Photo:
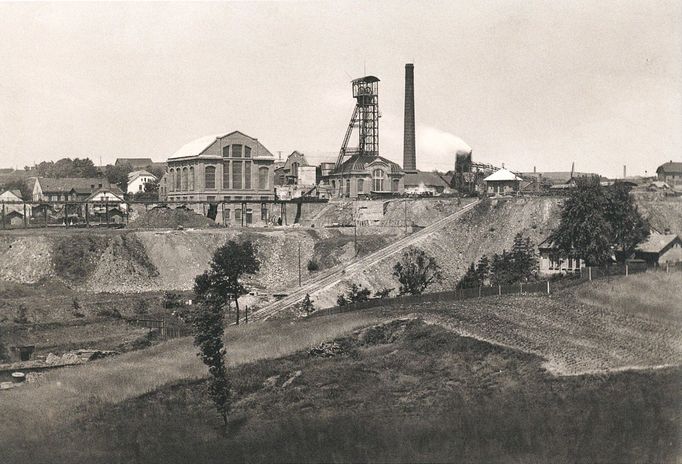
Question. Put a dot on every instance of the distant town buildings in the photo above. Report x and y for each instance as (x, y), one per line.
(138, 179)
(67, 188)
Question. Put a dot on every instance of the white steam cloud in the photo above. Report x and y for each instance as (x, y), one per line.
(436, 149)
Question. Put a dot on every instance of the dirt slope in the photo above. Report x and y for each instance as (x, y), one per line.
(480, 231)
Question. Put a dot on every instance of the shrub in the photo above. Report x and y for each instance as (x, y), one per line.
(21, 317)
(74, 256)
(341, 300)
(383, 293)
(307, 304)
(172, 300)
(313, 265)
(415, 271)
(141, 307)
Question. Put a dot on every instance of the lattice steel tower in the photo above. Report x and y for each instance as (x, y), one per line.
(365, 117)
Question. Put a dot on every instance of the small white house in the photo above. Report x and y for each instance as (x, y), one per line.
(502, 182)
(103, 199)
(137, 179)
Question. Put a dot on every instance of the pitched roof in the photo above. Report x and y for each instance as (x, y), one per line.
(197, 146)
(135, 162)
(427, 178)
(16, 193)
(670, 167)
(359, 162)
(501, 175)
(66, 184)
(657, 242)
(114, 190)
(135, 174)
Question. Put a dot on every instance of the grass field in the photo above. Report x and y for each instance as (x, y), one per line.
(410, 391)
(404, 392)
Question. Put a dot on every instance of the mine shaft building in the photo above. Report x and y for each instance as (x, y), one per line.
(360, 170)
(232, 166)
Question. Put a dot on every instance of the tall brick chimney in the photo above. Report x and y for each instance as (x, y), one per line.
(409, 151)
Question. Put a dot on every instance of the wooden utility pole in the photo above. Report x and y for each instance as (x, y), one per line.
(299, 264)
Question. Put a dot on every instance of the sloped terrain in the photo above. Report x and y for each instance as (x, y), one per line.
(662, 212)
(483, 230)
(399, 391)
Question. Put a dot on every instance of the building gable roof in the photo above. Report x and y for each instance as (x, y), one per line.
(429, 179)
(501, 175)
(656, 243)
(134, 162)
(670, 167)
(198, 146)
(135, 174)
(67, 184)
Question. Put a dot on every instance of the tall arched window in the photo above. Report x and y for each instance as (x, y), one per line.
(209, 177)
(294, 169)
(226, 175)
(191, 177)
(247, 175)
(171, 179)
(183, 182)
(263, 174)
(378, 180)
(361, 185)
(177, 179)
(236, 172)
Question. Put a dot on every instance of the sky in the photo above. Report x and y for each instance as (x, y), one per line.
(521, 82)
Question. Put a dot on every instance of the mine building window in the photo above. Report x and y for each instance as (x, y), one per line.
(249, 216)
(294, 169)
(191, 177)
(395, 185)
(236, 151)
(247, 175)
(226, 151)
(263, 212)
(226, 175)
(361, 185)
(247, 152)
(237, 214)
(226, 213)
(378, 177)
(209, 177)
(184, 179)
(237, 173)
(348, 187)
(263, 174)
(226, 198)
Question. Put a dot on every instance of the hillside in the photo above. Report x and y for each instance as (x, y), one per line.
(662, 212)
(483, 230)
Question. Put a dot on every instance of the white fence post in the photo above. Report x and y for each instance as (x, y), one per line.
(589, 273)
(479, 291)
(499, 289)
(548, 287)
(627, 271)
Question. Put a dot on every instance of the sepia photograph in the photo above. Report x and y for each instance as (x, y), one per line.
(391, 231)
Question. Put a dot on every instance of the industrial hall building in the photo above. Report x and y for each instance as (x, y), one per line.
(226, 167)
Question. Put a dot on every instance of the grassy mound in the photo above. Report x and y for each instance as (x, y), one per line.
(400, 392)
(75, 257)
(167, 218)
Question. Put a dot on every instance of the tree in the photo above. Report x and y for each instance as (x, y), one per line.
(149, 193)
(307, 304)
(415, 271)
(594, 219)
(355, 294)
(66, 167)
(524, 260)
(214, 289)
(483, 270)
(470, 279)
(118, 174)
(628, 227)
(17, 183)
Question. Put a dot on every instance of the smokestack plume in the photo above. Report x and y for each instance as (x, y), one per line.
(409, 151)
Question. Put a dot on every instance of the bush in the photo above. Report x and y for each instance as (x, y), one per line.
(313, 265)
(307, 304)
(141, 307)
(109, 312)
(383, 293)
(356, 294)
(21, 317)
(172, 300)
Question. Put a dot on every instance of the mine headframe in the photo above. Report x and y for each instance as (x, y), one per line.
(365, 117)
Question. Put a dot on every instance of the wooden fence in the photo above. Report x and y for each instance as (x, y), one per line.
(586, 274)
(159, 325)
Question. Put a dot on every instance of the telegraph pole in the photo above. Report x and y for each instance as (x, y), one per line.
(299, 263)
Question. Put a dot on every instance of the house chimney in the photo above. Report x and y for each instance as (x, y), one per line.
(624, 171)
(534, 170)
(409, 151)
